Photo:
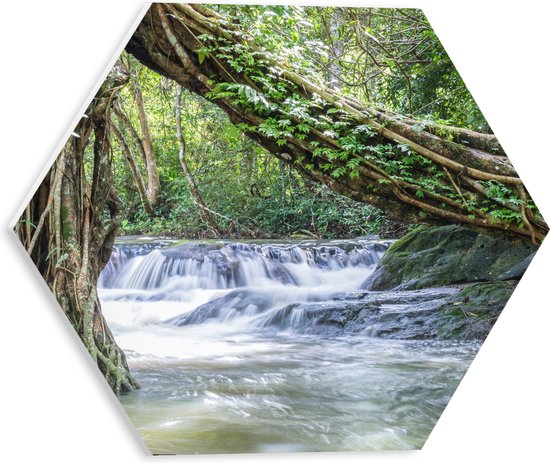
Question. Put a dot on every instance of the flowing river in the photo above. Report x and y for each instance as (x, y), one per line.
(239, 347)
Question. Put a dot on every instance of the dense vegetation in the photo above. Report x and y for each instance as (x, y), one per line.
(252, 193)
(391, 58)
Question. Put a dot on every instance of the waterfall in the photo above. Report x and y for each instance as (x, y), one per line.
(233, 265)
(201, 282)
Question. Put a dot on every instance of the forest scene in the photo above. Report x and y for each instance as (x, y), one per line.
(282, 229)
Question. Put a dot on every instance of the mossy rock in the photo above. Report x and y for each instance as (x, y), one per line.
(439, 256)
(473, 311)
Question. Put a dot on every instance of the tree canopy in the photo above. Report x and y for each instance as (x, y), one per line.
(271, 69)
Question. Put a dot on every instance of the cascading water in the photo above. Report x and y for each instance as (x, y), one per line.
(252, 278)
(243, 347)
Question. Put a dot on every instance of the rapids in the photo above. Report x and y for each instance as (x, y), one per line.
(233, 354)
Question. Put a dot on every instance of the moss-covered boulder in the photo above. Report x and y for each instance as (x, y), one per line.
(473, 311)
(439, 256)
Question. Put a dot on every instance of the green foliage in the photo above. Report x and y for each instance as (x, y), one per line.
(319, 211)
(288, 116)
(388, 57)
(237, 178)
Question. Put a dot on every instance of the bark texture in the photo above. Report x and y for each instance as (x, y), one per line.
(168, 41)
(70, 226)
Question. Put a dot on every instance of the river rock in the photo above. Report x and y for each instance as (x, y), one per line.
(439, 256)
(465, 312)
(237, 302)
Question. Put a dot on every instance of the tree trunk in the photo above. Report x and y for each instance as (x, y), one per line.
(206, 214)
(455, 171)
(138, 180)
(153, 180)
(73, 232)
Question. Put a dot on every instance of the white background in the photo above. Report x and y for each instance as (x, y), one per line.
(54, 405)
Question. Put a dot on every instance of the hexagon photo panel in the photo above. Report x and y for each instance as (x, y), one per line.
(282, 229)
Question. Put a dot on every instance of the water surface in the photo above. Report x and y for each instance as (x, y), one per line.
(223, 383)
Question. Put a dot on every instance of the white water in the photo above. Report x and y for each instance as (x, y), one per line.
(220, 383)
(144, 290)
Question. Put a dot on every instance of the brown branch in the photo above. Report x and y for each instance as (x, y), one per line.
(455, 185)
